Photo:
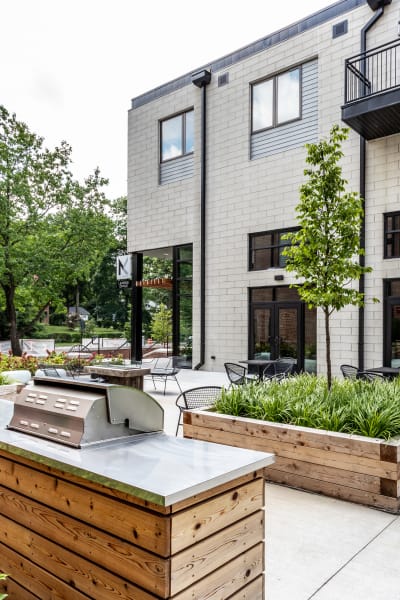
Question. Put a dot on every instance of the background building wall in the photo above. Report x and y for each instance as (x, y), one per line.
(246, 196)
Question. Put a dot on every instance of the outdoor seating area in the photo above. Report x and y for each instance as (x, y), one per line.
(162, 369)
(373, 374)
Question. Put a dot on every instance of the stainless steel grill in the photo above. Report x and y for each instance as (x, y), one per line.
(78, 413)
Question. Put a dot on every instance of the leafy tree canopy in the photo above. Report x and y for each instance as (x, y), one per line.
(52, 228)
(325, 252)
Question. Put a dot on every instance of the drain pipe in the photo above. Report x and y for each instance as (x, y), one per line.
(378, 6)
(201, 80)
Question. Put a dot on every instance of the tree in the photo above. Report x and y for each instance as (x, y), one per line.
(161, 327)
(325, 251)
(52, 228)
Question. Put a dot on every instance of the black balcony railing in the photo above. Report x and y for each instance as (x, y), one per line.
(372, 72)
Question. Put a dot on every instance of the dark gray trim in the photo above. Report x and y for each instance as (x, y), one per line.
(314, 20)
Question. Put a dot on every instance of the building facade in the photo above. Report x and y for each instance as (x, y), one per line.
(215, 162)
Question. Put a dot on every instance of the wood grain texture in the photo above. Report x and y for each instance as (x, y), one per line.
(191, 526)
(37, 580)
(253, 591)
(62, 539)
(354, 468)
(136, 525)
(135, 564)
(198, 561)
(229, 579)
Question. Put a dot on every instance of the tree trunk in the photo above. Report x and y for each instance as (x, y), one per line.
(328, 348)
(9, 293)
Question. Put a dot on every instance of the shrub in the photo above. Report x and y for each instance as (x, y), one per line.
(9, 362)
(359, 407)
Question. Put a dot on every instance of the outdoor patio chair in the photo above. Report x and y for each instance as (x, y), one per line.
(349, 372)
(278, 370)
(162, 370)
(198, 397)
(237, 374)
(370, 376)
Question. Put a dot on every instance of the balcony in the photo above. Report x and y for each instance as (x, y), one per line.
(372, 91)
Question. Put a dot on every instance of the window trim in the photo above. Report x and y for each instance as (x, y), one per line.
(272, 246)
(274, 79)
(182, 114)
(386, 231)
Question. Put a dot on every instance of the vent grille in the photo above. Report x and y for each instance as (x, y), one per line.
(339, 29)
(223, 79)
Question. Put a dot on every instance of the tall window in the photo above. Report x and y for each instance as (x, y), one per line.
(177, 137)
(392, 235)
(276, 100)
(265, 249)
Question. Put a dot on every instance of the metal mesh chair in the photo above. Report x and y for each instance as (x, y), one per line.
(164, 369)
(198, 397)
(370, 376)
(278, 370)
(349, 372)
(237, 374)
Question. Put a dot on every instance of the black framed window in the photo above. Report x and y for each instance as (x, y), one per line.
(177, 136)
(276, 100)
(265, 249)
(392, 235)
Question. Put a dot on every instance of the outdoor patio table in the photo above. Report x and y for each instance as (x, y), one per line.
(388, 372)
(260, 363)
(119, 374)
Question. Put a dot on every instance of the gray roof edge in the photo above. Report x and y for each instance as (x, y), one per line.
(313, 20)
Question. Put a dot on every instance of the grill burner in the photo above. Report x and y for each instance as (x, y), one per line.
(82, 413)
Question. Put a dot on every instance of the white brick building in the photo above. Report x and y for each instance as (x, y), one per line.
(217, 156)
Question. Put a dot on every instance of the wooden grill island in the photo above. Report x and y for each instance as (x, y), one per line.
(148, 516)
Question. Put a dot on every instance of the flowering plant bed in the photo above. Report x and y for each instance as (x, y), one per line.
(344, 465)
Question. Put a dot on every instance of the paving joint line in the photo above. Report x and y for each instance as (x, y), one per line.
(352, 558)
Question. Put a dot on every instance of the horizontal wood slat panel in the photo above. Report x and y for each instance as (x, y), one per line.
(136, 565)
(220, 489)
(336, 491)
(79, 573)
(224, 582)
(346, 461)
(369, 483)
(252, 591)
(313, 438)
(191, 526)
(42, 585)
(213, 552)
(130, 523)
(14, 590)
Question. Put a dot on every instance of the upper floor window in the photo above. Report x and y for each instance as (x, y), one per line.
(276, 100)
(177, 136)
(392, 235)
(265, 249)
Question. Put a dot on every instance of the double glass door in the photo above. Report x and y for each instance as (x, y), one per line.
(276, 328)
(281, 325)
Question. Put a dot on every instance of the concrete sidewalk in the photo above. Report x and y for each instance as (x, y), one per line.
(316, 547)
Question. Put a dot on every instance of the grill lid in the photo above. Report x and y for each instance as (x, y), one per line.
(78, 415)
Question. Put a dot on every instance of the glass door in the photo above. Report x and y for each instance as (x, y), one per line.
(276, 331)
(392, 332)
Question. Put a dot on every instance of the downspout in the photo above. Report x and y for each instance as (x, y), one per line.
(361, 285)
(201, 80)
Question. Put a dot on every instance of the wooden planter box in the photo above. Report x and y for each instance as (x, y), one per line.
(349, 467)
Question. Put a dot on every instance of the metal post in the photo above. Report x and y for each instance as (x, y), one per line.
(136, 308)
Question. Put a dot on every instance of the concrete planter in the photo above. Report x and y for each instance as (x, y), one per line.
(349, 467)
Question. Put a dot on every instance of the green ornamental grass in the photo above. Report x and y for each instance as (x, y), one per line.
(359, 407)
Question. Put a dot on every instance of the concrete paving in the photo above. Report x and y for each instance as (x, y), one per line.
(316, 547)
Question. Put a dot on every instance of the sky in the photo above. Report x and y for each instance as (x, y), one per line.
(69, 69)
